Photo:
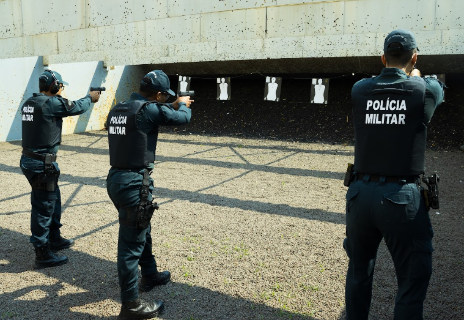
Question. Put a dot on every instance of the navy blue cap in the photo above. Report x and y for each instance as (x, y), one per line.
(405, 38)
(159, 81)
(49, 76)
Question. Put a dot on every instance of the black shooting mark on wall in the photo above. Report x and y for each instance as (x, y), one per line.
(319, 90)
(223, 88)
(272, 88)
(183, 83)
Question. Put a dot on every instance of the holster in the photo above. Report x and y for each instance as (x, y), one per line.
(48, 180)
(431, 193)
(140, 216)
(348, 175)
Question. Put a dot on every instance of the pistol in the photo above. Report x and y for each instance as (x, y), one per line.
(97, 89)
(190, 93)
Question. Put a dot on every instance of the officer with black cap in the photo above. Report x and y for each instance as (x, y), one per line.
(42, 118)
(384, 199)
(132, 137)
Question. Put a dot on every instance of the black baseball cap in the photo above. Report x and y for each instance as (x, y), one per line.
(404, 37)
(159, 81)
(49, 76)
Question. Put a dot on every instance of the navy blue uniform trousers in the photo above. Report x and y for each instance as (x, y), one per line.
(134, 245)
(46, 205)
(395, 212)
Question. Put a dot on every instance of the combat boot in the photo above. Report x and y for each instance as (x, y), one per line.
(60, 243)
(45, 258)
(155, 279)
(140, 310)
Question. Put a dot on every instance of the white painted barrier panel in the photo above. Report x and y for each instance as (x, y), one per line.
(23, 78)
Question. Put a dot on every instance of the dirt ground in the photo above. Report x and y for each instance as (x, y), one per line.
(249, 228)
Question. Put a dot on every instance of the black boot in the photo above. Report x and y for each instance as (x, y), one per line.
(155, 279)
(61, 243)
(140, 310)
(45, 258)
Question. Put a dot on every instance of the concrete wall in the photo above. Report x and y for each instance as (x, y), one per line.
(82, 37)
(133, 32)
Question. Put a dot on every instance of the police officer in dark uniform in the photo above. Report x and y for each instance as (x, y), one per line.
(42, 119)
(384, 200)
(132, 136)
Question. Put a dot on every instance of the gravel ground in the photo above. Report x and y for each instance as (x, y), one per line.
(250, 229)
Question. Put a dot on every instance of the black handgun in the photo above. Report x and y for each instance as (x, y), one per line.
(190, 93)
(348, 175)
(97, 89)
(431, 193)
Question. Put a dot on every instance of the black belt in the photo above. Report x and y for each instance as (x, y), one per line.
(41, 157)
(377, 178)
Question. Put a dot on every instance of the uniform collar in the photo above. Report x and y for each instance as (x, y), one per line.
(136, 96)
(393, 72)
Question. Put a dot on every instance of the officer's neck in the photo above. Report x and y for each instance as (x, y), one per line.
(48, 93)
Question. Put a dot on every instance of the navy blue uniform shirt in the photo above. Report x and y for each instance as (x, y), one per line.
(58, 107)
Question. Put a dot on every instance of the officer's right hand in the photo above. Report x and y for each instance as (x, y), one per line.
(185, 100)
(95, 95)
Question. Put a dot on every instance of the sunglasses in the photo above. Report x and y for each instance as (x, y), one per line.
(166, 94)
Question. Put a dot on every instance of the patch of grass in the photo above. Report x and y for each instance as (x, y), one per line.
(186, 272)
(190, 258)
(8, 314)
(242, 250)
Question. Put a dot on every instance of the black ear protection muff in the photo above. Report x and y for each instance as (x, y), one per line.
(55, 86)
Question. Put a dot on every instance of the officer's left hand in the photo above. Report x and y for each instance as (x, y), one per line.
(415, 73)
(185, 100)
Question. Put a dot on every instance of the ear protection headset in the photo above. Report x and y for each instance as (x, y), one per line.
(55, 86)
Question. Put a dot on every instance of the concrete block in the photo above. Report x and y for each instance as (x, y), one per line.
(102, 13)
(290, 2)
(184, 8)
(173, 30)
(117, 37)
(453, 38)
(74, 57)
(149, 9)
(240, 46)
(455, 49)
(40, 45)
(148, 55)
(80, 40)
(431, 38)
(121, 57)
(10, 19)
(11, 48)
(306, 19)
(386, 16)
(290, 44)
(233, 25)
(39, 17)
(195, 49)
(449, 14)
(347, 41)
